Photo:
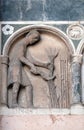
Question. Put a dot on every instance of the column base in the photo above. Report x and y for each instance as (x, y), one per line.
(77, 109)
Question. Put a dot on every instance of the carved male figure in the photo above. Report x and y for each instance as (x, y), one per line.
(16, 75)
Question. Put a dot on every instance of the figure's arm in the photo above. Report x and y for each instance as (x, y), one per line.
(44, 75)
(26, 62)
(36, 70)
(40, 63)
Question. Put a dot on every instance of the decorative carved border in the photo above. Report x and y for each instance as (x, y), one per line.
(25, 29)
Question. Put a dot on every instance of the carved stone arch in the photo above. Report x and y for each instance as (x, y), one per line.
(51, 89)
(80, 47)
(47, 28)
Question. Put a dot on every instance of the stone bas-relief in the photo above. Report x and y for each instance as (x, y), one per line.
(16, 74)
(38, 72)
(75, 31)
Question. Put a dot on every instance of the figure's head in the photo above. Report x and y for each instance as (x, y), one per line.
(33, 37)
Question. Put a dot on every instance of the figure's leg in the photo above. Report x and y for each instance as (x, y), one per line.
(15, 91)
(29, 95)
(9, 97)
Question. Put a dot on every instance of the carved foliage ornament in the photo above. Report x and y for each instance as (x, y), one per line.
(7, 29)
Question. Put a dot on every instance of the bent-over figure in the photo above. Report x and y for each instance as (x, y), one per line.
(17, 77)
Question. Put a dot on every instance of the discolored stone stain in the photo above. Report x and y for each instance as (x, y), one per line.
(53, 118)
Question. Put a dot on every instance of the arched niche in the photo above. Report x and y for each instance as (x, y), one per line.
(51, 93)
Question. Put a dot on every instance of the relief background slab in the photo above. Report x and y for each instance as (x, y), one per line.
(49, 43)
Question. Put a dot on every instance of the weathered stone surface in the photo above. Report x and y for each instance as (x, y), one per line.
(37, 73)
(76, 83)
(76, 79)
(41, 10)
(42, 122)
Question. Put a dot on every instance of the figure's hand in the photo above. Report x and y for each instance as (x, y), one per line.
(33, 70)
(52, 77)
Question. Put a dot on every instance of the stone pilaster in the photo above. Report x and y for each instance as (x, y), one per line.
(83, 81)
(0, 79)
(4, 65)
(76, 79)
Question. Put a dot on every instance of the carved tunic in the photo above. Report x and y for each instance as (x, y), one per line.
(16, 71)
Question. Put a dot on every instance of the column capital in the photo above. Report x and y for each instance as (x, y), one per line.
(4, 59)
(77, 58)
